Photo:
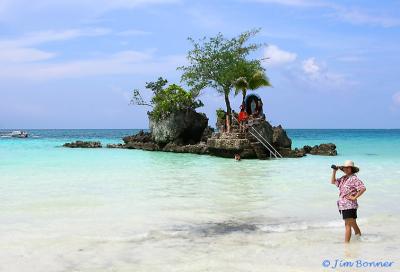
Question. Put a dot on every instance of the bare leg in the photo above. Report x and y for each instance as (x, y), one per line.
(347, 235)
(354, 225)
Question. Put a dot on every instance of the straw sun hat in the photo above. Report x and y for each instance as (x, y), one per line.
(349, 163)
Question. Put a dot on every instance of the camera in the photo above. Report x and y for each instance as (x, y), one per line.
(334, 167)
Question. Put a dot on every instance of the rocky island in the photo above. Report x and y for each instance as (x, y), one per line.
(188, 132)
(184, 137)
(222, 65)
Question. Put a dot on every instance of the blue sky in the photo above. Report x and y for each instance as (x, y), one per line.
(73, 63)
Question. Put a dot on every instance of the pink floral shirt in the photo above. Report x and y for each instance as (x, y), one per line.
(348, 186)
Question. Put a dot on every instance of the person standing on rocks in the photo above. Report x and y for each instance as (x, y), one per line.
(242, 118)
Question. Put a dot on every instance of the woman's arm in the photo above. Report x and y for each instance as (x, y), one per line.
(333, 179)
(359, 193)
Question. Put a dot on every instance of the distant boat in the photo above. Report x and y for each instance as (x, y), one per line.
(19, 134)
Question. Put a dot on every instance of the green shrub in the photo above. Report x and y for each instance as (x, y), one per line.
(166, 100)
(172, 99)
(221, 114)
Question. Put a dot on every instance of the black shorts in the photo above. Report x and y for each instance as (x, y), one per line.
(351, 213)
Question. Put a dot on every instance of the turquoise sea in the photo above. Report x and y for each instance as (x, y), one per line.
(131, 210)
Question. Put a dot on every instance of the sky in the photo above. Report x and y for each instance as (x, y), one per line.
(74, 63)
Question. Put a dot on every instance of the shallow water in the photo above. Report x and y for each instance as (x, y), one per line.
(131, 210)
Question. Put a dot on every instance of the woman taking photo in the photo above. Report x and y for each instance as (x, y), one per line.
(350, 188)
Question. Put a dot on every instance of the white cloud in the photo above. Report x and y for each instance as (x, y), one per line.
(359, 17)
(311, 68)
(41, 37)
(133, 32)
(119, 63)
(22, 49)
(19, 59)
(353, 15)
(275, 56)
(396, 99)
(12, 55)
(319, 77)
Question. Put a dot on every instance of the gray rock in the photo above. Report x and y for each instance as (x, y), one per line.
(307, 149)
(183, 127)
(200, 148)
(264, 129)
(149, 146)
(83, 144)
(207, 133)
(292, 153)
(280, 138)
(143, 137)
(328, 149)
(115, 146)
(228, 144)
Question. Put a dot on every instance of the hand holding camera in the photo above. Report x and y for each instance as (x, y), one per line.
(334, 167)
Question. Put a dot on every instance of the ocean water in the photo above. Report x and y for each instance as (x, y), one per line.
(131, 210)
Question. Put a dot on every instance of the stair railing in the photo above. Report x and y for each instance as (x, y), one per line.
(274, 151)
(263, 141)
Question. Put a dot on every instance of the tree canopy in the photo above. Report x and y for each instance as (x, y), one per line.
(251, 76)
(217, 62)
(166, 100)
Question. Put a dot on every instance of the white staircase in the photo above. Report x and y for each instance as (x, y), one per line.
(264, 142)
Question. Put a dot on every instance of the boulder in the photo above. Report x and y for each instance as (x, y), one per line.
(264, 129)
(200, 148)
(328, 149)
(207, 133)
(280, 138)
(307, 149)
(141, 136)
(182, 128)
(292, 153)
(228, 144)
(83, 144)
(115, 146)
(234, 145)
(149, 146)
(246, 144)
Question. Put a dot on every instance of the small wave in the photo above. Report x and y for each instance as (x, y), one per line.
(137, 238)
(370, 238)
(284, 227)
(299, 226)
(120, 239)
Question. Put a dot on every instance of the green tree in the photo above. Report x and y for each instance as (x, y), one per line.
(154, 86)
(251, 77)
(213, 63)
(172, 99)
(166, 100)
